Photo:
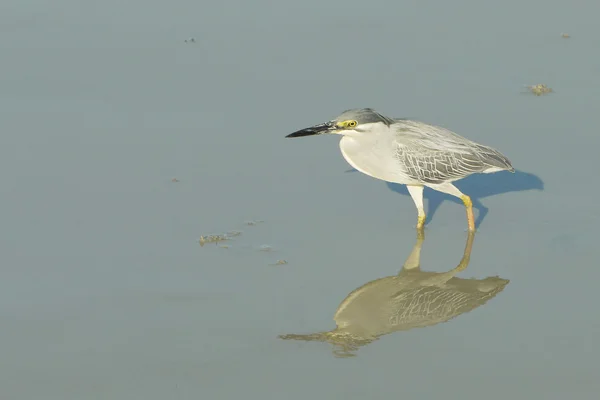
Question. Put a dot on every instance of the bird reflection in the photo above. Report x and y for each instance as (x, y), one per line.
(411, 299)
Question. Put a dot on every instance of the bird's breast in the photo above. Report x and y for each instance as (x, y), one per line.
(372, 157)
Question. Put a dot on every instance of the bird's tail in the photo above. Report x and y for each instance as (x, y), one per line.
(495, 159)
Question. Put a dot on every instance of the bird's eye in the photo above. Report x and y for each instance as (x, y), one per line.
(351, 124)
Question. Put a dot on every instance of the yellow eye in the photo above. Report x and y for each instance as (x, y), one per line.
(348, 124)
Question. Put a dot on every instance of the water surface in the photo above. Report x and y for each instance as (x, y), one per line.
(106, 292)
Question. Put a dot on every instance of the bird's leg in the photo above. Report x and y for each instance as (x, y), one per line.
(416, 192)
(452, 190)
(469, 206)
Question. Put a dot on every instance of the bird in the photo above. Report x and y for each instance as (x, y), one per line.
(411, 153)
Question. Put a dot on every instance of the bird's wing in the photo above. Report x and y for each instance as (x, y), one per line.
(432, 154)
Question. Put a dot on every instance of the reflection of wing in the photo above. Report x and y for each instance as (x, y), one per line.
(431, 154)
(425, 306)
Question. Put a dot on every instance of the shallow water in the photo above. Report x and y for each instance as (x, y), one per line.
(107, 293)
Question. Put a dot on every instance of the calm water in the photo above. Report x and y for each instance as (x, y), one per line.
(107, 294)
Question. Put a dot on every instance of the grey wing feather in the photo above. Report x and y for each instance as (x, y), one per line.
(432, 154)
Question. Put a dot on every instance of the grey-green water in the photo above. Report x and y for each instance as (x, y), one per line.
(105, 290)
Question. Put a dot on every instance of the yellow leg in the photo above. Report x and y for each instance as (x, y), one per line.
(469, 206)
(421, 227)
(416, 192)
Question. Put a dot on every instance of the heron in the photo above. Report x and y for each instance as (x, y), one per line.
(410, 152)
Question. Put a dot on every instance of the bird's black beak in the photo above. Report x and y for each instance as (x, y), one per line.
(327, 127)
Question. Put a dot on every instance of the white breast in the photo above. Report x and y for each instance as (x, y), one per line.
(373, 158)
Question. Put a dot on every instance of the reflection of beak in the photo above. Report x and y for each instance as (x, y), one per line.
(320, 129)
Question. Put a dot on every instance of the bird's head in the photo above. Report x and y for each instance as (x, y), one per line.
(357, 121)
